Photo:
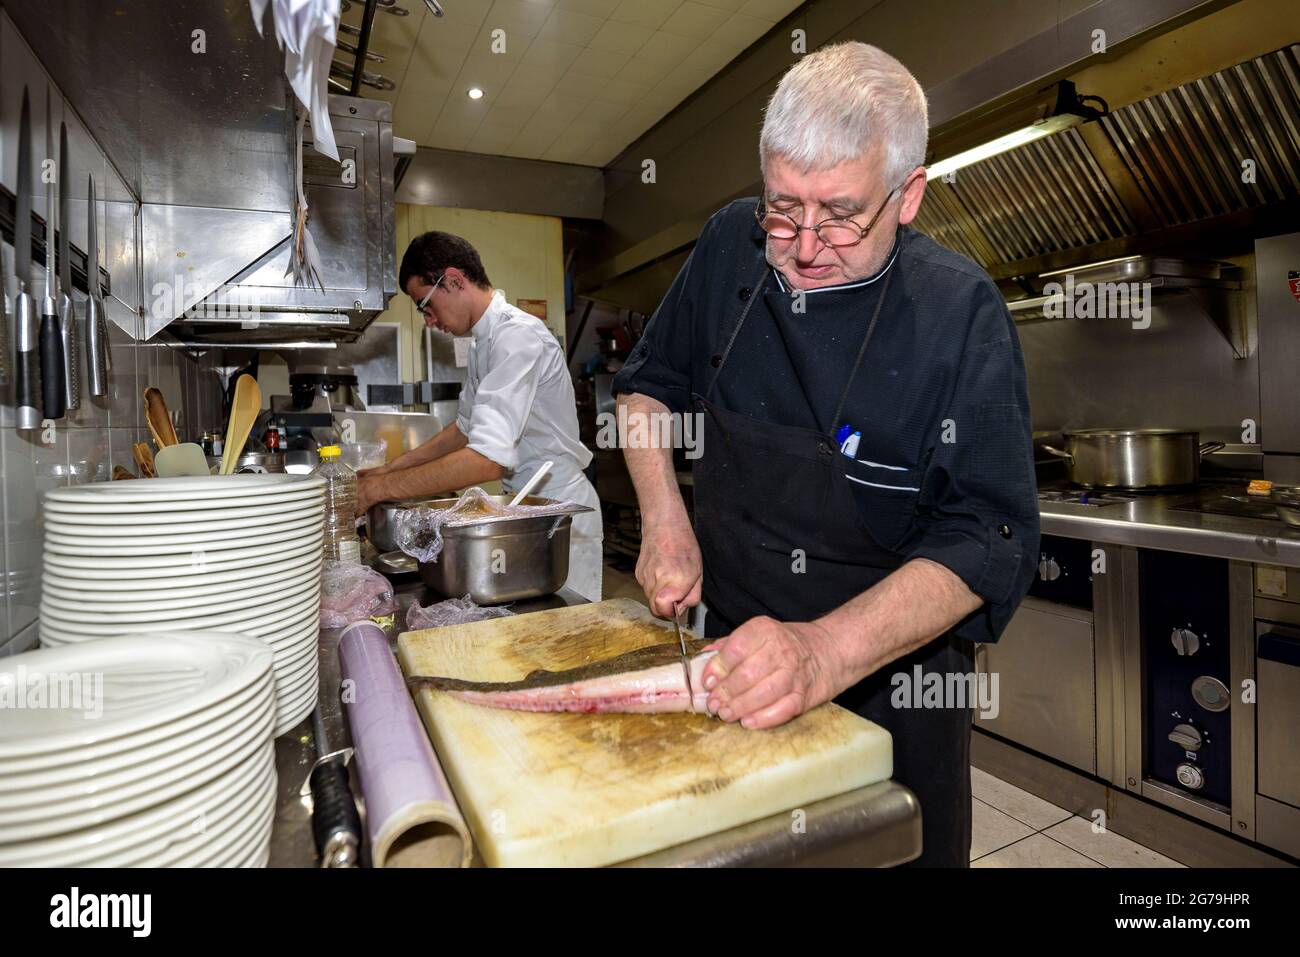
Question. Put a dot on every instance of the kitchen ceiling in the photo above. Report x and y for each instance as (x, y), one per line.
(577, 82)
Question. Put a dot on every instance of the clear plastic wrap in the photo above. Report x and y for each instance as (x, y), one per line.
(418, 531)
(352, 592)
(453, 611)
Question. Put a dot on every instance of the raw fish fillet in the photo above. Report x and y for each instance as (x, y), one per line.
(644, 681)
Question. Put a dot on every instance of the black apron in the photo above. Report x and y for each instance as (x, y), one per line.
(781, 535)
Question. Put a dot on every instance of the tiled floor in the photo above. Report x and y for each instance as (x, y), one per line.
(1013, 828)
(1010, 826)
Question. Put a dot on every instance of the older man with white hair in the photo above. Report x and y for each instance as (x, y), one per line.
(864, 505)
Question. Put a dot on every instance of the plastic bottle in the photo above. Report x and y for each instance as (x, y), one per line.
(341, 541)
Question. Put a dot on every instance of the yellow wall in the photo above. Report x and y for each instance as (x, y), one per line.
(523, 255)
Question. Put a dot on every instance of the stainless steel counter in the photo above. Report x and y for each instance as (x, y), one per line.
(875, 826)
(1149, 522)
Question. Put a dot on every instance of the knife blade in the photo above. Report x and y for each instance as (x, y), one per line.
(67, 308)
(52, 386)
(679, 613)
(98, 363)
(27, 369)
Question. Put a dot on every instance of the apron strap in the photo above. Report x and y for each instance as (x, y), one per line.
(862, 349)
(759, 282)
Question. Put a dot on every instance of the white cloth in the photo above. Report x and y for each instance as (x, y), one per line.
(518, 410)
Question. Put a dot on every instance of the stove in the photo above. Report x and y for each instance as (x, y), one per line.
(1082, 496)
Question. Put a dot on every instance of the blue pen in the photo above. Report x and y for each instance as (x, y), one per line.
(842, 433)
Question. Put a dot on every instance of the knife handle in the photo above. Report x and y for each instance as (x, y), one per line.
(97, 359)
(27, 365)
(335, 824)
(52, 390)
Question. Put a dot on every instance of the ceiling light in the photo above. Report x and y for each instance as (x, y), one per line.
(1070, 110)
(475, 93)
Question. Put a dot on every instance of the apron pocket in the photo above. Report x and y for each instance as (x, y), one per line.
(886, 500)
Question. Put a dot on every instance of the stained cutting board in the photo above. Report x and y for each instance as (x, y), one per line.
(588, 790)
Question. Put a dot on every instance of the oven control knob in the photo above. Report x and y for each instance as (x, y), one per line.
(1186, 737)
(1190, 777)
(1185, 641)
(1048, 569)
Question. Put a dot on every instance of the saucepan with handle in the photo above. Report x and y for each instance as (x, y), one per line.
(1136, 459)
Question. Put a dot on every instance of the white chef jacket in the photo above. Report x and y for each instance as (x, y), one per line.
(518, 410)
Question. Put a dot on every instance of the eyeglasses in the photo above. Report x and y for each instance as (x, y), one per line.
(420, 306)
(833, 232)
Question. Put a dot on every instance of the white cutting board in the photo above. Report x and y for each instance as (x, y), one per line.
(588, 790)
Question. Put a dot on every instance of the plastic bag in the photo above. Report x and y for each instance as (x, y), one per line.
(352, 592)
(453, 611)
(419, 530)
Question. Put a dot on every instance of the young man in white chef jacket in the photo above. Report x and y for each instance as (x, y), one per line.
(517, 409)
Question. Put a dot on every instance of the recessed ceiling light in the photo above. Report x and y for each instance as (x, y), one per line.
(475, 93)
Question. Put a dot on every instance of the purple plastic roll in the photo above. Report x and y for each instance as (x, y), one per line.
(411, 815)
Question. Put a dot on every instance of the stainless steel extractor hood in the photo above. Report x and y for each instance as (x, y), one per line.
(192, 107)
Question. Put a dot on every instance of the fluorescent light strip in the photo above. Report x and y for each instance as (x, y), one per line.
(1011, 141)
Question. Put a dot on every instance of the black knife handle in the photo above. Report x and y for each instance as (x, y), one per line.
(52, 387)
(335, 823)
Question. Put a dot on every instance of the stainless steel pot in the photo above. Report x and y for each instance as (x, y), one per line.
(1133, 458)
(493, 560)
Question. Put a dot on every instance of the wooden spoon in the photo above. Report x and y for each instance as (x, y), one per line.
(243, 411)
(160, 423)
(144, 460)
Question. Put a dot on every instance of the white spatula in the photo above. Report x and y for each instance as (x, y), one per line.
(532, 483)
(184, 459)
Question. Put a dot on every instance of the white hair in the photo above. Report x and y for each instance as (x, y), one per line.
(832, 105)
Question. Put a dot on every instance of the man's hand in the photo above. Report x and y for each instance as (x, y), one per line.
(767, 672)
(374, 472)
(669, 567)
(369, 491)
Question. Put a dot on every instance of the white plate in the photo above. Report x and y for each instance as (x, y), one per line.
(150, 793)
(145, 586)
(178, 543)
(219, 665)
(130, 839)
(116, 526)
(254, 622)
(87, 754)
(232, 841)
(190, 488)
(117, 779)
(234, 594)
(291, 714)
(213, 559)
(84, 767)
(98, 620)
(101, 506)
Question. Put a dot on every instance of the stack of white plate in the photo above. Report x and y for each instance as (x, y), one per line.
(139, 751)
(237, 553)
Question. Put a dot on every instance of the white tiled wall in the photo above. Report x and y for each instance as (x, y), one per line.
(84, 447)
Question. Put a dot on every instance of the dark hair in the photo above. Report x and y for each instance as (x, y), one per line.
(435, 251)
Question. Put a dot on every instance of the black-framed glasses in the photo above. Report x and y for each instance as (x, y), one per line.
(420, 306)
(833, 232)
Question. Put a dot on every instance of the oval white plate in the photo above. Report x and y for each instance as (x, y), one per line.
(255, 620)
(188, 488)
(101, 506)
(220, 665)
(90, 613)
(122, 841)
(223, 559)
(104, 533)
(174, 544)
(144, 586)
(75, 599)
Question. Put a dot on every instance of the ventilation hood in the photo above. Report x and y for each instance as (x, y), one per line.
(192, 108)
(1213, 160)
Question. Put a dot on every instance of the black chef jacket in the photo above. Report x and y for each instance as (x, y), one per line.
(940, 398)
